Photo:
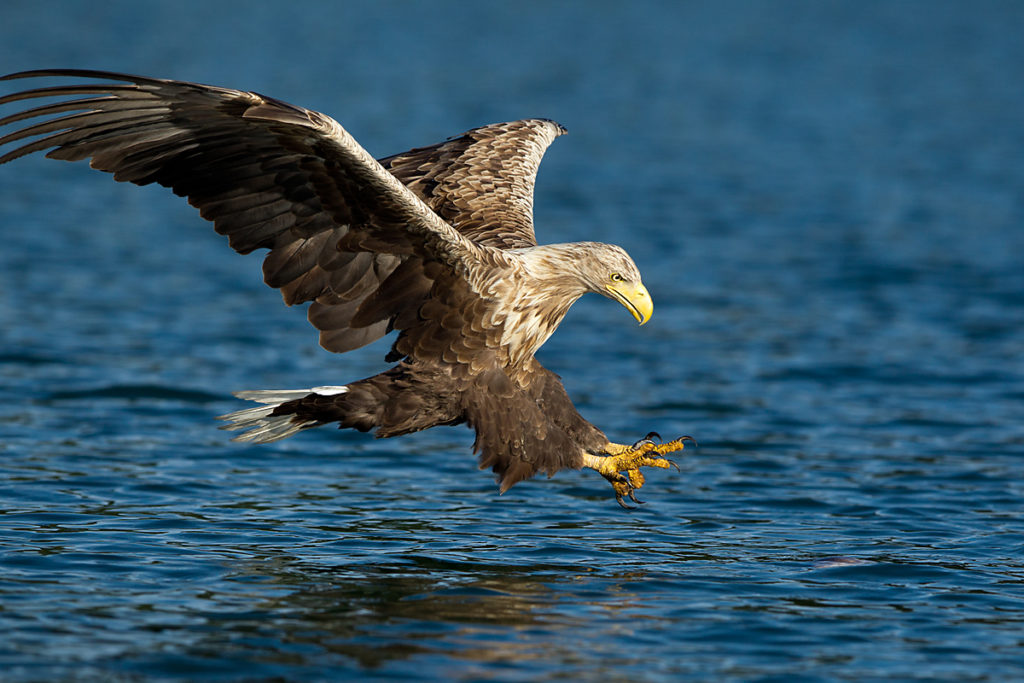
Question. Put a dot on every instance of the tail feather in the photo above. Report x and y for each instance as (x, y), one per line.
(262, 425)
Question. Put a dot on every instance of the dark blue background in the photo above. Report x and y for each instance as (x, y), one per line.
(825, 199)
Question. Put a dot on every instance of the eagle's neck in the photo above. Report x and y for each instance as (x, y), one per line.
(546, 282)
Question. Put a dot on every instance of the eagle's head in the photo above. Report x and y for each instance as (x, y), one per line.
(559, 274)
(608, 270)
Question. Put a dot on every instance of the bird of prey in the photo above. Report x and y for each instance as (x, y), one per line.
(436, 244)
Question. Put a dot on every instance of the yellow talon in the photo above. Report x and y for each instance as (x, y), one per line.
(671, 446)
(616, 448)
(629, 459)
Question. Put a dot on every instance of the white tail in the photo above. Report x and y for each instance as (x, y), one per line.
(261, 426)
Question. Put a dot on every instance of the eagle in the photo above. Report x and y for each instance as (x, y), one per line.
(436, 244)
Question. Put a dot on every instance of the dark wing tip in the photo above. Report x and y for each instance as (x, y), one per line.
(78, 73)
(562, 130)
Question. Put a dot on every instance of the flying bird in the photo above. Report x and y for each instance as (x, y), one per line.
(436, 244)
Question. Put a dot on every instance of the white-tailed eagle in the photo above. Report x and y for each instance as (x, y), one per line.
(436, 243)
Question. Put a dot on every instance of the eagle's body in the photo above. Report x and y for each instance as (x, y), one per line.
(436, 243)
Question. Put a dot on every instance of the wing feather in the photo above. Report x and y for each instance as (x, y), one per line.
(268, 174)
(482, 181)
(338, 224)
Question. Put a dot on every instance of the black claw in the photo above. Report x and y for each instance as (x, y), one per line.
(619, 500)
(646, 441)
(688, 438)
(672, 462)
(652, 435)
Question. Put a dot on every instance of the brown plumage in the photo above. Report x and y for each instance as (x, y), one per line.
(436, 243)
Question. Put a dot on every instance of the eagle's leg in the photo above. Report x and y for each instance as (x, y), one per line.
(621, 459)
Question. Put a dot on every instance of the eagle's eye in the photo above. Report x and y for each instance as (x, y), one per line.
(617, 278)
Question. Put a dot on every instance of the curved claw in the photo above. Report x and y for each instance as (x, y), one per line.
(646, 441)
(647, 452)
(624, 489)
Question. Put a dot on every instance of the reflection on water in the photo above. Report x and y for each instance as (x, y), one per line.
(418, 606)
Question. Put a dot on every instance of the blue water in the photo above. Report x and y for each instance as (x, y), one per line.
(827, 202)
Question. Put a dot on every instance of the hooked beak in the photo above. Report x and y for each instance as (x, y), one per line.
(635, 298)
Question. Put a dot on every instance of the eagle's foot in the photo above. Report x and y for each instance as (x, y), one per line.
(629, 459)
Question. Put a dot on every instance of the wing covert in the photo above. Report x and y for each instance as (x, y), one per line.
(481, 182)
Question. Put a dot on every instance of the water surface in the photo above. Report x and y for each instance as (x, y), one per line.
(825, 200)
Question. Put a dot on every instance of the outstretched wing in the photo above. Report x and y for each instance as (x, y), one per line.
(482, 181)
(267, 173)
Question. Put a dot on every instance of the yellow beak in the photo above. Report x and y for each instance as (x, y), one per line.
(635, 298)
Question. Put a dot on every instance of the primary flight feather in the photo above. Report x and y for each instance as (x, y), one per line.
(436, 243)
